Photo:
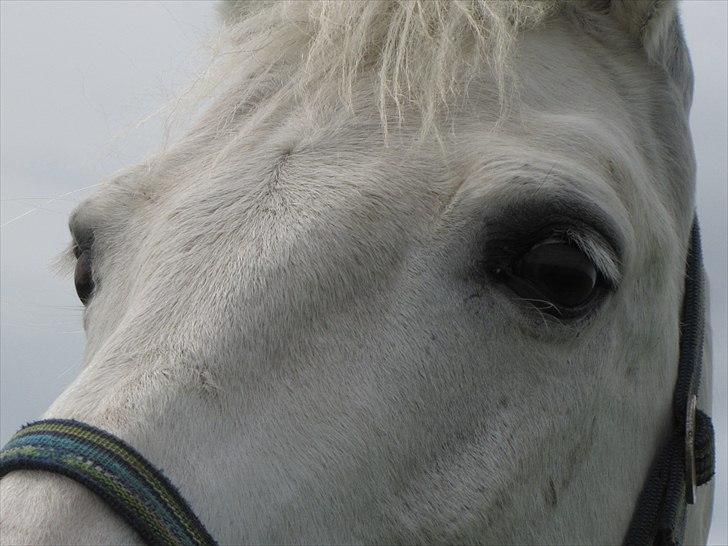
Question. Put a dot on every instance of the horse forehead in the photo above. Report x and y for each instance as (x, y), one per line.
(294, 183)
(279, 214)
(299, 175)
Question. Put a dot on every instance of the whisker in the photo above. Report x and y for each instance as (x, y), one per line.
(49, 201)
(28, 198)
(540, 306)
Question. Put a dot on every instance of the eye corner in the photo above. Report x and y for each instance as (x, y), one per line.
(64, 262)
(83, 274)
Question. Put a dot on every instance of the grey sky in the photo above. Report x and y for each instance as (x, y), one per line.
(75, 77)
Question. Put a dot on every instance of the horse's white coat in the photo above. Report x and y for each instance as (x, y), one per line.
(291, 320)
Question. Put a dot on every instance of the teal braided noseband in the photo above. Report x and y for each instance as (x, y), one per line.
(115, 471)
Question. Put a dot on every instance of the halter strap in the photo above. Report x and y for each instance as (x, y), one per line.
(115, 471)
(687, 459)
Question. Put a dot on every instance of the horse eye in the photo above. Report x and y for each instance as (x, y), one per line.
(556, 277)
(83, 275)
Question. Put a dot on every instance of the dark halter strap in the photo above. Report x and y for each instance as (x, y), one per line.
(151, 505)
(687, 459)
(115, 471)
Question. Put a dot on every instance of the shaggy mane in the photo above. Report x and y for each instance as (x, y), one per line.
(417, 52)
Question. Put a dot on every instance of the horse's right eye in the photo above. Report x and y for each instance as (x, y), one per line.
(83, 275)
(556, 277)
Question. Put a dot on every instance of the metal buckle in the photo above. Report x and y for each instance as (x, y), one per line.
(690, 473)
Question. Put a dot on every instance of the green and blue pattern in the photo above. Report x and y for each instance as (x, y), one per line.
(113, 470)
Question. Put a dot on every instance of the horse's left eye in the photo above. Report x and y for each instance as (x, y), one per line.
(556, 277)
(83, 275)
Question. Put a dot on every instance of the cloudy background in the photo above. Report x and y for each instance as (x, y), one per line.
(75, 80)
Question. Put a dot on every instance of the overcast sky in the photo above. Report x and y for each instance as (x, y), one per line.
(76, 77)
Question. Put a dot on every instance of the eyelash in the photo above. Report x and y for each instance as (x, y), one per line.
(550, 293)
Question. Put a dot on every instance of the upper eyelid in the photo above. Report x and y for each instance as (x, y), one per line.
(519, 225)
(81, 229)
(77, 248)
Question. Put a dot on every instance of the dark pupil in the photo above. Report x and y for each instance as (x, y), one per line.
(82, 277)
(564, 275)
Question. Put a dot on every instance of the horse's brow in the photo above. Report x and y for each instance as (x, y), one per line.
(524, 214)
(80, 228)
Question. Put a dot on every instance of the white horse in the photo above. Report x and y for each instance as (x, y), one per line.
(415, 276)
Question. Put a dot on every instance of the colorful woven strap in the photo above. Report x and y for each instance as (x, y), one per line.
(115, 471)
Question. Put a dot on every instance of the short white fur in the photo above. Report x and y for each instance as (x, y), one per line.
(289, 318)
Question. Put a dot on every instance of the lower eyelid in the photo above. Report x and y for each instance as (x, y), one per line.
(524, 309)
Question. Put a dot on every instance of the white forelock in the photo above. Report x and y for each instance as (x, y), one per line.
(422, 52)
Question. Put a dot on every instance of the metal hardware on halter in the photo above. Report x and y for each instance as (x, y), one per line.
(687, 458)
(690, 473)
